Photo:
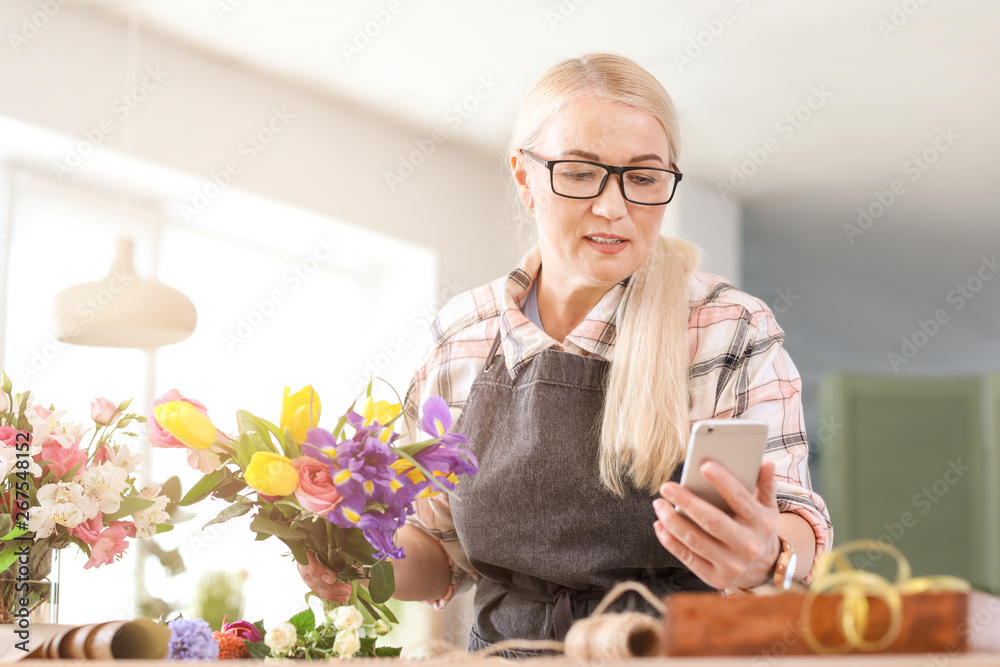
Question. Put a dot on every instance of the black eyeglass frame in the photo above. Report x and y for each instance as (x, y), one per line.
(608, 170)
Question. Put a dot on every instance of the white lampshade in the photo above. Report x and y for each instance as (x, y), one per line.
(123, 310)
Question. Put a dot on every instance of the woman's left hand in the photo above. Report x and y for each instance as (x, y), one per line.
(723, 551)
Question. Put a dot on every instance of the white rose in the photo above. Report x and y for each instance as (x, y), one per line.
(281, 638)
(347, 643)
(346, 617)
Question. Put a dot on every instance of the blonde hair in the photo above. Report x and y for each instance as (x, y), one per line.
(646, 416)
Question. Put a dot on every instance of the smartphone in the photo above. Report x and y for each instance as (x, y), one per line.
(737, 444)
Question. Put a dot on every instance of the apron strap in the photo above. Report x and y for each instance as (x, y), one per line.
(562, 616)
(491, 357)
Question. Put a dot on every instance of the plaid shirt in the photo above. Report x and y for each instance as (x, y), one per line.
(738, 370)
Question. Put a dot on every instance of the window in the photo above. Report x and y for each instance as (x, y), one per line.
(284, 297)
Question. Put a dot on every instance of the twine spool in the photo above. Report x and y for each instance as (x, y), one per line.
(627, 635)
(602, 635)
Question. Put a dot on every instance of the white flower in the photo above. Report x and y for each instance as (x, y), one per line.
(62, 498)
(9, 458)
(105, 483)
(44, 518)
(347, 643)
(47, 424)
(346, 617)
(281, 638)
(40, 522)
(4, 402)
(382, 627)
(123, 457)
(146, 519)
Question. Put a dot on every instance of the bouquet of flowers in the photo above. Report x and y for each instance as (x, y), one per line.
(339, 494)
(342, 632)
(55, 492)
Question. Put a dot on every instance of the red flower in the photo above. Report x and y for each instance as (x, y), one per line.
(231, 646)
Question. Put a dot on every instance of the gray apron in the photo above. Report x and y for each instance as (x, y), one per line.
(546, 537)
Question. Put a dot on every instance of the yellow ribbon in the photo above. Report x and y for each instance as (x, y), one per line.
(834, 573)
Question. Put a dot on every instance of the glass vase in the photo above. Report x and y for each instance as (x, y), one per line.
(29, 588)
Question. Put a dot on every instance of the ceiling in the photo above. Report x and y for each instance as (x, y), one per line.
(890, 80)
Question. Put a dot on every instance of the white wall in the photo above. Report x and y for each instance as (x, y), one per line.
(701, 216)
(198, 112)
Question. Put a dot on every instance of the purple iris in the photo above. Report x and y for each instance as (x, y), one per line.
(379, 529)
(436, 422)
(375, 499)
(446, 459)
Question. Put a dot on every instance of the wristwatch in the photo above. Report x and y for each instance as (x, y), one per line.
(784, 567)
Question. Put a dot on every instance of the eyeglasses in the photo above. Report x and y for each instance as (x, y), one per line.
(582, 179)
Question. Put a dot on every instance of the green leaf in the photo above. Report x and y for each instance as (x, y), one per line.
(304, 621)
(261, 524)
(258, 650)
(230, 512)
(340, 424)
(389, 616)
(368, 646)
(415, 448)
(8, 556)
(163, 528)
(369, 606)
(172, 489)
(245, 450)
(291, 450)
(388, 651)
(298, 553)
(15, 532)
(84, 547)
(71, 473)
(202, 488)
(129, 505)
(383, 581)
(228, 489)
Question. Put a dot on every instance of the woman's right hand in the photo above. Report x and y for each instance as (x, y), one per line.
(323, 581)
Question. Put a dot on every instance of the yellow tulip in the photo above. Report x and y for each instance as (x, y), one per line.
(271, 474)
(300, 412)
(382, 412)
(186, 423)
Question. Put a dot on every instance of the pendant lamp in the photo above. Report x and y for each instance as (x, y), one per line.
(123, 310)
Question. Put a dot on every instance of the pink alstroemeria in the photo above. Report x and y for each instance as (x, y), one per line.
(63, 459)
(111, 544)
(90, 530)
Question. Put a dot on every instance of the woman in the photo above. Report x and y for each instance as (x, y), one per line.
(577, 377)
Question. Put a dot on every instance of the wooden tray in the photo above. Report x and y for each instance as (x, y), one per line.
(768, 626)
